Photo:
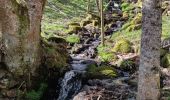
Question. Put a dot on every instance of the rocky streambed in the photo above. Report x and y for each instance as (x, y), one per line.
(89, 77)
(79, 84)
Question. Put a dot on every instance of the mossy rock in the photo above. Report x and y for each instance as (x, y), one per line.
(85, 22)
(128, 65)
(122, 46)
(101, 72)
(163, 52)
(74, 29)
(108, 56)
(55, 55)
(73, 38)
(95, 23)
(165, 61)
(56, 58)
(74, 23)
(91, 16)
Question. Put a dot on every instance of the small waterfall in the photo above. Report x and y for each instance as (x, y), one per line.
(70, 85)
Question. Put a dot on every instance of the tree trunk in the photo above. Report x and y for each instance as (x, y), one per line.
(102, 22)
(98, 7)
(88, 7)
(149, 76)
(20, 23)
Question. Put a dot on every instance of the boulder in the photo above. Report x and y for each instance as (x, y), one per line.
(122, 46)
(128, 65)
(100, 72)
(165, 61)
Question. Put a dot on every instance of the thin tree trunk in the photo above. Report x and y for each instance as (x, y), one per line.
(149, 76)
(88, 6)
(98, 7)
(102, 22)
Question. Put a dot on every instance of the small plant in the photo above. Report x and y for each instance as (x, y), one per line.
(36, 95)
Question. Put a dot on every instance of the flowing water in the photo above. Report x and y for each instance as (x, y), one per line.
(70, 85)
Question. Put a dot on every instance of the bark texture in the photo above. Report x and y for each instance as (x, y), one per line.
(149, 77)
(20, 22)
(102, 22)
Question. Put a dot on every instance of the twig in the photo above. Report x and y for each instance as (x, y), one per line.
(21, 85)
(99, 97)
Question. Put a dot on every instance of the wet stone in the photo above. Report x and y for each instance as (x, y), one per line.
(2, 73)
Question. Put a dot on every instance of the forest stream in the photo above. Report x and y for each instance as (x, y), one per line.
(74, 84)
(84, 50)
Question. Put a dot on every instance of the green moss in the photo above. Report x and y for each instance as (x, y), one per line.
(106, 55)
(134, 24)
(122, 46)
(128, 65)
(165, 61)
(73, 23)
(137, 19)
(74, 28)
(163, 52)
(165, 27)
(133, 27)
(73, 39)
(55, 54)
(101, 72)
(127, 6)
(36, 95)
(126, 25)
(56, 58)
